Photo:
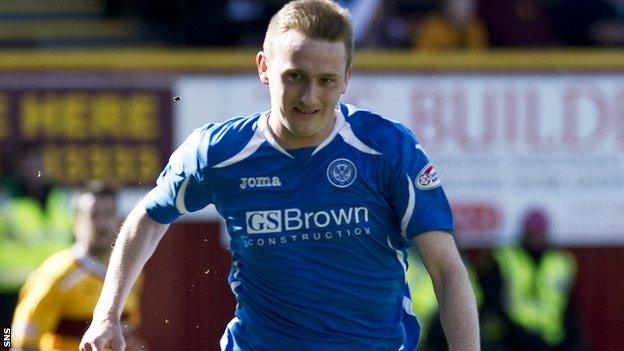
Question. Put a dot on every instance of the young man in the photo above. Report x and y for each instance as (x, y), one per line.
(57, 301)
(322, 202)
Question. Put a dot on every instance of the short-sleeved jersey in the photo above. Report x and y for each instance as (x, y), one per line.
(318, 235)
(56, 303)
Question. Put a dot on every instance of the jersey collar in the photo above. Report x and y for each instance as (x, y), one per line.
(88, 262)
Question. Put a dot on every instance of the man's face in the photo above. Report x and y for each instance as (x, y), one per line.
(306, 77)
(96, 221)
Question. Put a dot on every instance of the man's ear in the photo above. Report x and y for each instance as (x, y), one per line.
(262, 67)
(347, 77)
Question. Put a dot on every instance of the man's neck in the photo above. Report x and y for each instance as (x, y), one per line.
(102, 255)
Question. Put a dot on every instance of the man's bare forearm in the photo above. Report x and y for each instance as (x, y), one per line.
(138, 238)
(458, 311)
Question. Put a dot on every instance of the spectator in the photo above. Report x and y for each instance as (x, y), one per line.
(453, 25)
(57, 301)
(536, 280)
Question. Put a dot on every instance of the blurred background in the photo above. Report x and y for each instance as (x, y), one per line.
(520, 103)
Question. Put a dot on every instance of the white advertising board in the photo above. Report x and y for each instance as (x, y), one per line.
(503, 143)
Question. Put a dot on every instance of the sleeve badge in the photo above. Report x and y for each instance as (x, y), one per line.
(427, 178)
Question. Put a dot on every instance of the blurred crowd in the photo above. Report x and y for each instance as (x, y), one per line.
(419, 24)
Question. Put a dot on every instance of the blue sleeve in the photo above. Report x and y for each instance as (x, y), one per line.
(182, 186)
(418, 200)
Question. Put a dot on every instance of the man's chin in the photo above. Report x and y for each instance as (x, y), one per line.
(302, 131)
(303, 117)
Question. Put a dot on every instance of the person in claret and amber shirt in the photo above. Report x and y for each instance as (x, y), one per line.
(57, 301)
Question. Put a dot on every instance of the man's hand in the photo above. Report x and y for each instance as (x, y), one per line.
(103, 334)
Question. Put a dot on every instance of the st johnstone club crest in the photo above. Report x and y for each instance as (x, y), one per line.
(341, 172)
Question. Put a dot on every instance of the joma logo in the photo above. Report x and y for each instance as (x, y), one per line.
(259, 182)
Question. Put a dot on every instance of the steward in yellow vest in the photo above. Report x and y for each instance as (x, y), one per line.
(537, 292)
(536, 282)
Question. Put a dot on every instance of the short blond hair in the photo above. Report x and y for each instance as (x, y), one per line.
(316, 19)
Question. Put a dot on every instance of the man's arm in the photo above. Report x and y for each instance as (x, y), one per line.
(137, 241)
(458, 309)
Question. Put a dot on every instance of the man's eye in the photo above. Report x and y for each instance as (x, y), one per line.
(328, 81)
(293, 77)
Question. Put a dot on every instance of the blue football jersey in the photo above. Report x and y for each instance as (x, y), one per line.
(318, 235)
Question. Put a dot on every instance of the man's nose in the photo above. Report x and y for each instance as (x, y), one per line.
(310, 95)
